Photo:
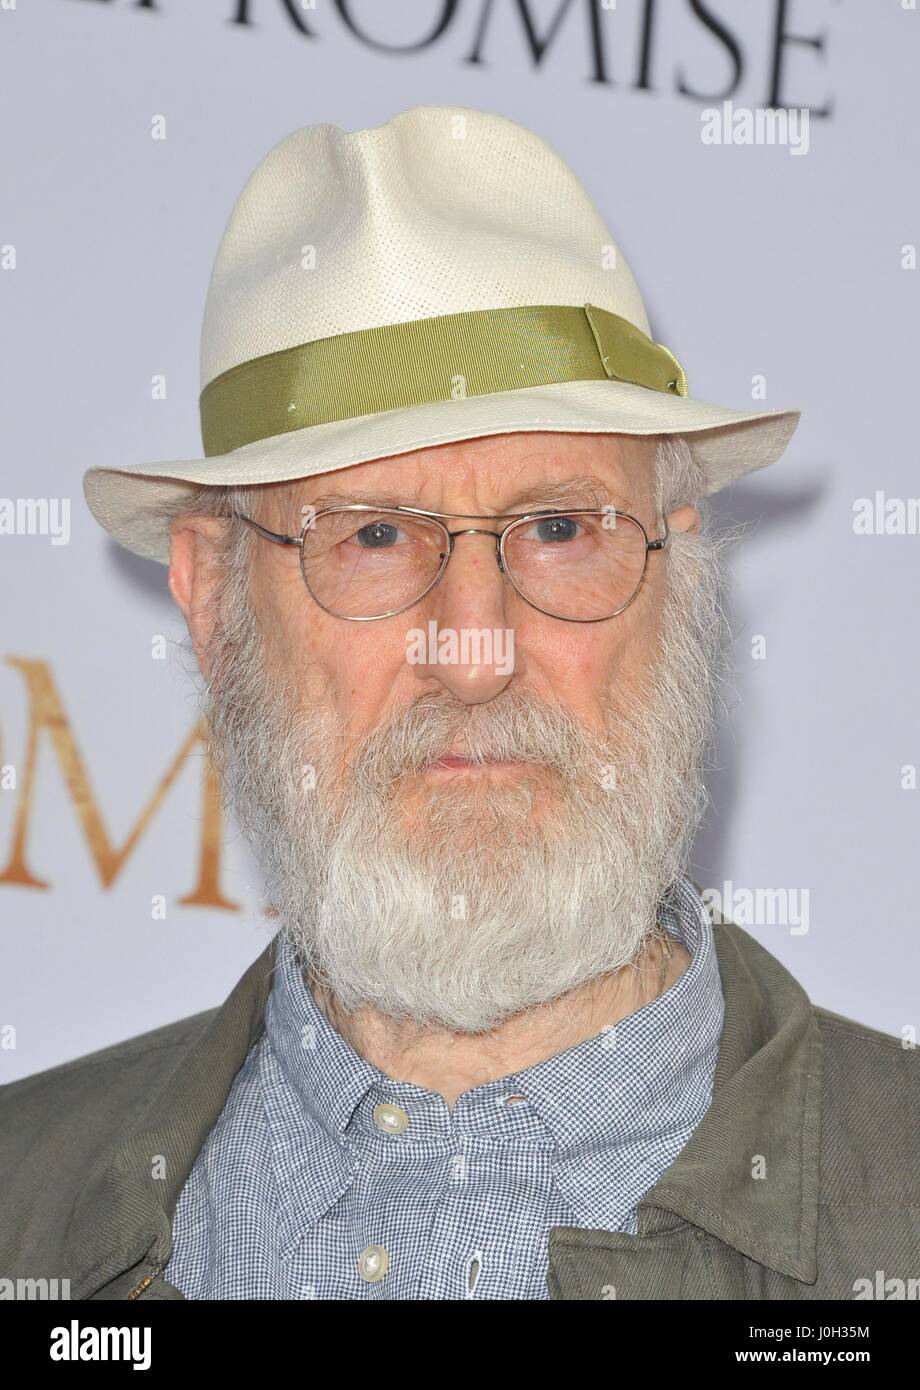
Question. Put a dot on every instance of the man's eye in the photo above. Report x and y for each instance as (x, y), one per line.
(553, 528)
(378, 536)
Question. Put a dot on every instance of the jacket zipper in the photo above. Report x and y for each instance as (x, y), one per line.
(145, 1283)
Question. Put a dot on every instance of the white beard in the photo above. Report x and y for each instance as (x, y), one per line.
(501, 894)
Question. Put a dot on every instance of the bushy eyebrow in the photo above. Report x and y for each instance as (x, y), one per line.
(584, 490)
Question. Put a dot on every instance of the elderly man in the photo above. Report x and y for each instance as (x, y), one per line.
(458, 620)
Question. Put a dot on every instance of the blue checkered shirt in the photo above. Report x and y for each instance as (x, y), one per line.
(323, 1178)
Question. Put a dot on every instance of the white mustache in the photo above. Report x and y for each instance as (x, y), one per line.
(516, 727)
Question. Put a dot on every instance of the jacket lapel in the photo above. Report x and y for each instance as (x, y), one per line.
(122, 1220)
(748, 1175)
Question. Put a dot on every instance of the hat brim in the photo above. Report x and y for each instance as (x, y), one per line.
(134, 504)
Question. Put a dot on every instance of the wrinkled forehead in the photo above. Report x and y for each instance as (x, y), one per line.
(491, 475)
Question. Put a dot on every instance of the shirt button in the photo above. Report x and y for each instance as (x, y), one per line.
(392, 1119)
(373, 1263)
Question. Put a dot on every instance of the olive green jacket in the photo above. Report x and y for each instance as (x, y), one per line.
(801, 1181)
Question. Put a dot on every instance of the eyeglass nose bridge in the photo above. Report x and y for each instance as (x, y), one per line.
(497, 536)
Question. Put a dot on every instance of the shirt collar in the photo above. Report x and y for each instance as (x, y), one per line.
(607, 1106)
(329, 1076)
(615, 1102)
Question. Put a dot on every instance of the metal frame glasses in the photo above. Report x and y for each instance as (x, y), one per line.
(517, 519)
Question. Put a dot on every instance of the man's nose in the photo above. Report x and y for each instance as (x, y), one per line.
(470, 643)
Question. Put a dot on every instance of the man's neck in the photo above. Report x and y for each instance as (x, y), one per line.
(451, 1063)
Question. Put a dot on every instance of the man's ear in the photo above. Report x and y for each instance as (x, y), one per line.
(684, 519)
(193, 574)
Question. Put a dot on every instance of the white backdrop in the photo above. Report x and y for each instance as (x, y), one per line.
(757, 264)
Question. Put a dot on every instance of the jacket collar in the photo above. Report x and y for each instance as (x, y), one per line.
(748, 1175)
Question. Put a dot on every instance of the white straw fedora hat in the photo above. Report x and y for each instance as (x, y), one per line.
(436, 278)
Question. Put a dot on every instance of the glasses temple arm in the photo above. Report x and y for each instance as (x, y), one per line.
(264, 531)
(662, 542)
